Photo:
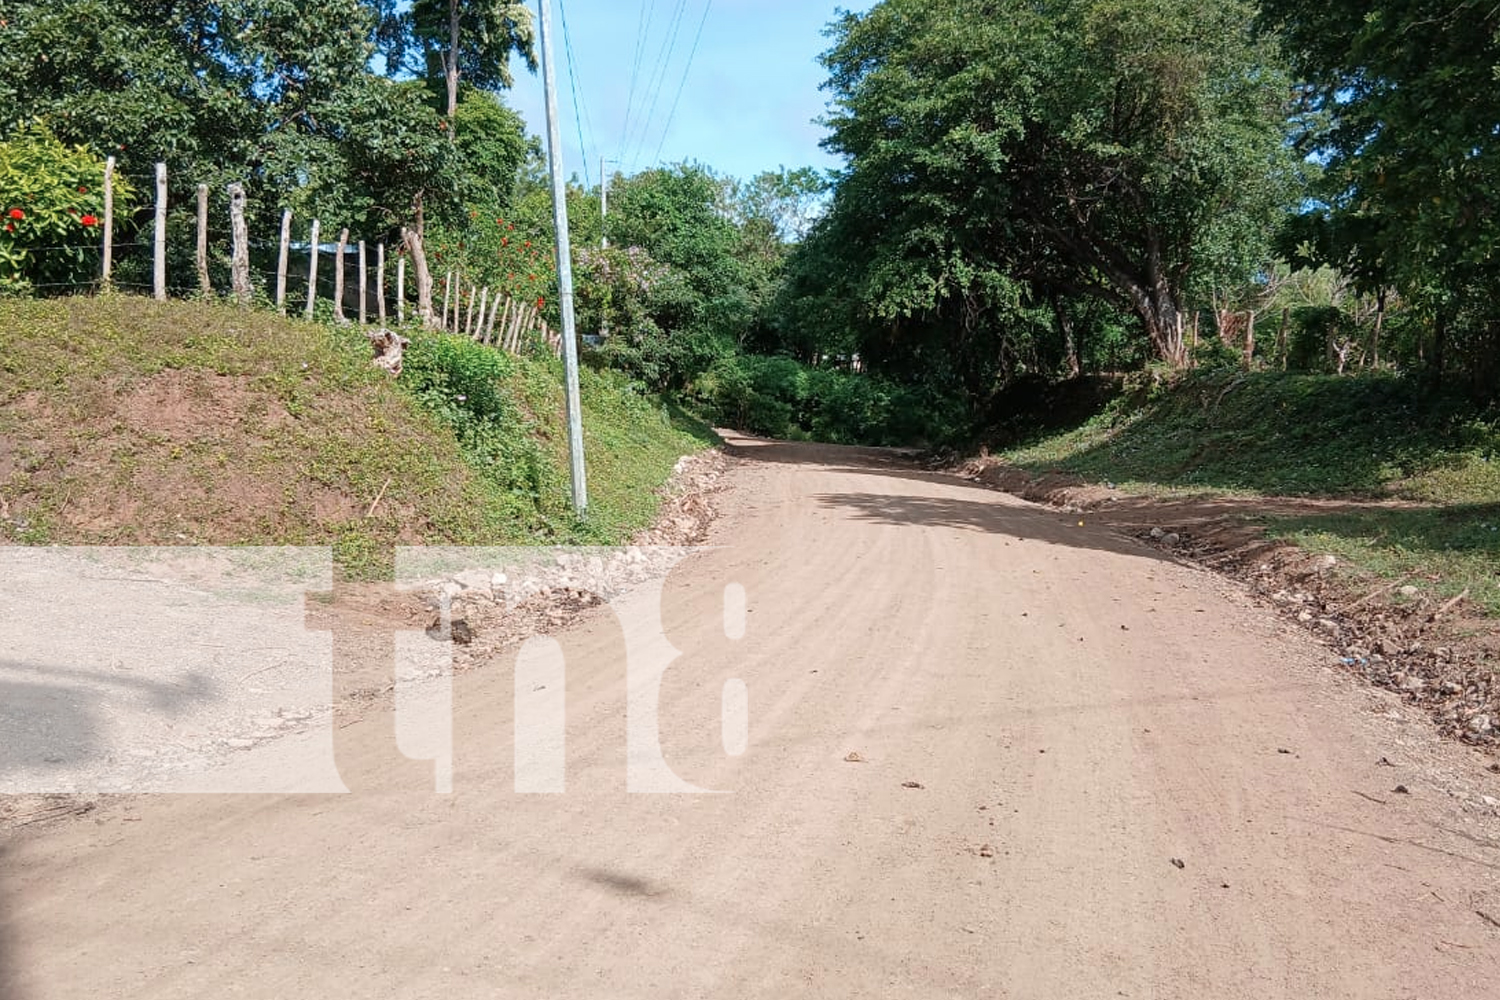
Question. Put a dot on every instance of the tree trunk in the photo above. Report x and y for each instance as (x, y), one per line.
(1286, 315)
(1379, 323)
(415, 247)
(1162, 317)
(450, 67)
(1439, 346)
(1250, 341)
(1065, 331)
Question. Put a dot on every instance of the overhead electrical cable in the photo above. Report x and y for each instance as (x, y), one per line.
(642, 30)
(580, 113)
(681, 84)
(659, 79)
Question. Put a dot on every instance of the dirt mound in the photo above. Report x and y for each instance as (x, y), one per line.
(129, 422)
(181, 456)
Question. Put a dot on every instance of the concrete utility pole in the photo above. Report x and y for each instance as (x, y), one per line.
(564, 267)
(603, 204)
(603, 232)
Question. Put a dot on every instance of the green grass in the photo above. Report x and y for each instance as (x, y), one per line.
(1355, 437)
(1294, 435)
(1443, 550)
(124, 421)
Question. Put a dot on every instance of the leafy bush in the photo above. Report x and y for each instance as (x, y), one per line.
(780, 397)
(52, 201)
(464, 384)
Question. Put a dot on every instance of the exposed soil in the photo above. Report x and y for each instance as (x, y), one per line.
(176, 458)
(1440, 655)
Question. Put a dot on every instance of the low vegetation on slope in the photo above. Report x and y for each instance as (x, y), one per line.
(1370, 436)
(124, 421)
(1434, 459)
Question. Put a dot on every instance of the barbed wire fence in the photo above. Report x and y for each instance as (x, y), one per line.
(299, 273)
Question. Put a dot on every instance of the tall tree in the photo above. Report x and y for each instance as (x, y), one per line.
(471, 40)
(1090, 147)
(1403, 105)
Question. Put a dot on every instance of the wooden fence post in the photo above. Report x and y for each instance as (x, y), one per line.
(312, 269)
(109, 221)
(380, 282)
(338, 276)
(469, 312)
(363, 283)
(514, 337)
(205, 288)
(281, 259)
(504, 319)
(239, 268)
(484, 301)
(447, 293)
(159, 256)
(401, 289)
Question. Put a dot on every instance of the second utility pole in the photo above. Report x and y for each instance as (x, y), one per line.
(603, 236)
(564, 268)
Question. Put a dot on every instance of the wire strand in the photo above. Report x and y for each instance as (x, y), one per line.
(579, 116)
(658, 78)
(681, 84)
(642, 29)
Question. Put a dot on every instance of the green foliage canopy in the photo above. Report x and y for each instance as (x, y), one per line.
(998, 149)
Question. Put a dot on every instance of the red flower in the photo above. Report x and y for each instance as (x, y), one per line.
(509, 227)
(505, 241)
(528, 243)
(16, 213)
(540, 302)
(89, 220)
(10, 227)
(531, 277)
(83, 190)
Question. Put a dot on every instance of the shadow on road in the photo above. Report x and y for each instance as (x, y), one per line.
(858, 459)
(991, 516)
(50, 716)
(956, 502)
(624, 885)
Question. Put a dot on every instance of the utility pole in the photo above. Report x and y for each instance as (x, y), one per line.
(603, 204)
(603, 235)
(564, 267)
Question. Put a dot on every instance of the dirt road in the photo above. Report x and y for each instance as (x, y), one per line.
(1129, 783)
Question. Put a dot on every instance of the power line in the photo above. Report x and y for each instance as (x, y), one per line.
(683, 82)
(579, 116)
(642, 29)
(659, 77)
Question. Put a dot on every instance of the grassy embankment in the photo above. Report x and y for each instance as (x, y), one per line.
(128, 422)
(1371, 437)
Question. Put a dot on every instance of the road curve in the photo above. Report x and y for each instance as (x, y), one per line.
(991, 753)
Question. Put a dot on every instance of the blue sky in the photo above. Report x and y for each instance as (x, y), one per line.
(751, 91)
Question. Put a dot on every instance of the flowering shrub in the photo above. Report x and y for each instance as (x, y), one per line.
(52, 201)
(498, 254)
